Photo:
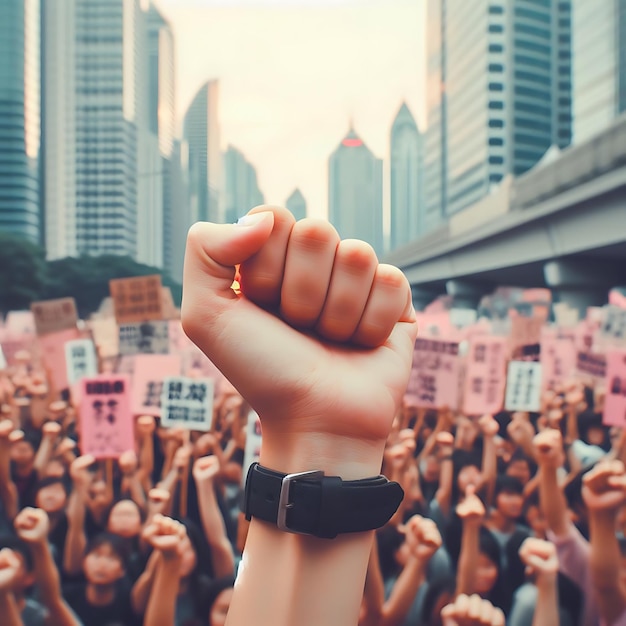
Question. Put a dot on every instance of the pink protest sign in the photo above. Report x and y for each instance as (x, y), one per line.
(525, 338)
(19, 323)
(53, 355)
(558, 359)
(436, 324)
(434, 379)
(485, 380)
(615, 401)
(150, 371)
(106, 420)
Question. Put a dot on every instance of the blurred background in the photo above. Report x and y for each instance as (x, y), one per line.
(474, 143)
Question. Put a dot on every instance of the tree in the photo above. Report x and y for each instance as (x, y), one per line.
(22, 272)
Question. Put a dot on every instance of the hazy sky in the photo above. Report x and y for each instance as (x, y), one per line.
(294, 72)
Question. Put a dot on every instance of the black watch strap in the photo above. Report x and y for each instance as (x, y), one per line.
(311, 503)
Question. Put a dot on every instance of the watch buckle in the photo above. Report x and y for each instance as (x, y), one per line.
(283, 501)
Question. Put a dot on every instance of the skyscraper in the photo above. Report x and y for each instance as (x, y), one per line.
(504, 95)
(20, 132)
(241, 187)
(599, 64)
(407, 191)
(202, 133)
(109, 103)
(58, 42)
(355, 197)
(297, 204)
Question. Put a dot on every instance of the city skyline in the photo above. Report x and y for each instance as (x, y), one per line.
(261, 112)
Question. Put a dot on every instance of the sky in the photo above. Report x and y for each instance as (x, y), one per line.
(294, 73)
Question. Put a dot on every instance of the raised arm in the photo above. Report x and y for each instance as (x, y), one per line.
(145, 432)
(8, 490)
(32, 526)
(131, 480)
(604, 492)
(542, 562)
(326, 396)
(9, 572)
(205, 470)
(49, 434)
(445, 445)
(489, 428)
(472, 512)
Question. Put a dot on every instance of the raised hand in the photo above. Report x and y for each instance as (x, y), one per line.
(471, 509)
(181, 458)
(51, 430)
(445, 443)
(540, 557)
(32, 525)
(331, 391)
(472, 611)
(422, 537)
(10, 566)
(488, 426)
(128, 462)
(206, 468)
(145, 426)
(79, 469)
(548, 447)
(604, 487)
(165, 535)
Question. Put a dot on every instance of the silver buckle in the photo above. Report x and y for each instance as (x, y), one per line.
(283, 501)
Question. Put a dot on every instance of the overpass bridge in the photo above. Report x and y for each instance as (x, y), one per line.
(561, 225)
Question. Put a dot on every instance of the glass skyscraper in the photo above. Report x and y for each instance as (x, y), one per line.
(599, 67)
(499, 94)
(20, 128)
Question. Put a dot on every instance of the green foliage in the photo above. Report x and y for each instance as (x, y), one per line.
(25, 276)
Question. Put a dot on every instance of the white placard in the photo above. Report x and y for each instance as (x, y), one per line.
(253, 443)
(463, 317)
(80, 360)
(187, 403)
(145, 338)
(523, 386)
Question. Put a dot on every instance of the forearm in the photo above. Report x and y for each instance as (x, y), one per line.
(547, 607)
(161, 609)
(374, 592)
(9, 611)
(135, 490)
(467, 559)
(215, 530)
(42, 458)
(572, 425)
(146, 462)
(403, 593)
(489, 466)
(444, 493)
(552, 501)
(140, 593)
(9, 498)
(76, 540)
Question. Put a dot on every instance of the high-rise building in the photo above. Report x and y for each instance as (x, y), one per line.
(20, 130)
(241, 187)
(599, 64)
(202, 134)
(59, 97)
(499, 89)
(181, 218)
(407, 189)
(297, 204)
(110, 46)
(355, 196)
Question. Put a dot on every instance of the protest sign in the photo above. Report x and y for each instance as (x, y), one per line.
(106, 420)
(523, 386)
(81, 360)
(150, 371)
(615, 400)
(106, 336)
(434, 378)
(558, 358)
(591, 365)
(52, 316)
(565, 315)
(252, 453)
(525, 338)
(20, 323)
(53, 355)
(485, 380)
(614, 324)
(144, 338)
(463, 317)
(187, 403)
(138, 299)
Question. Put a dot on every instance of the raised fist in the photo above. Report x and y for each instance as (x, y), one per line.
(79, 469)
(32, 525)
(165, 535)
(145, 426)
(205, 468)
(9, 570)
(158, 497)
(471, 611)
(6, 428)
(51, 430)
(471, 509)
(548, 446)
(181, 458)
(488, 426)
(604, 487)
(445, 443)
(422, 537)
(540, 557)
(128, 462)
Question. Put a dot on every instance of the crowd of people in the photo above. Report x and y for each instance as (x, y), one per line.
(513, 518)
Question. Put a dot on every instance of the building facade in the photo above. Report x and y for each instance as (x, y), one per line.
(406, 178)
(599, 65)
(202, 134)
(241, 186)
(20, 128)
(355, 197)
(296, 203)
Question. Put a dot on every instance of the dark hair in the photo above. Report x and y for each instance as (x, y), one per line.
(18, 545)
(508, 484)
(49, 481)
(212, 592)
(588, 420)
(118, 546)
(434, 591)
(388, 540)
(110, 507)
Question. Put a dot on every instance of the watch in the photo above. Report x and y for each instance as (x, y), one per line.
(311, 503)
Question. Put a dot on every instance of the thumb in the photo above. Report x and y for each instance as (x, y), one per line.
(213, 251)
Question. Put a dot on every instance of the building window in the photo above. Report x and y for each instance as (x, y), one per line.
(494, 10)
(532, 93)
(496, 47)
(495, 104)
(496, 28)
(495, 67)
(496, 123)
(532, 77)
(495, 178)
(496, 160)
(533, 15)
(496, 87)
(496, 141)
(532, 46)
(532, 30)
